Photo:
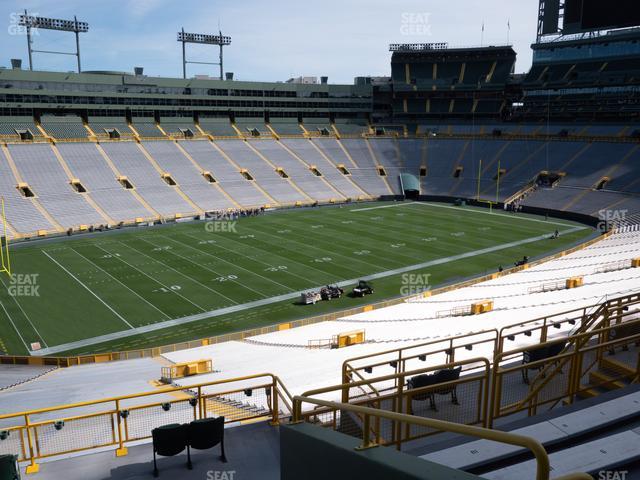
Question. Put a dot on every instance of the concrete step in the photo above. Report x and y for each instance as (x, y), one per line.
(605, 380)
(617, 366)
(590, 391)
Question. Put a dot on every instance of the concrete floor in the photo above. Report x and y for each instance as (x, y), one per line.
(253, 451)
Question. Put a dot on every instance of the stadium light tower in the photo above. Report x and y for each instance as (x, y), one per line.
(206, 39)
(30, 22)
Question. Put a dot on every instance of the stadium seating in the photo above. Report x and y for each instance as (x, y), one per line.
(86, 164)
(286, 126)
(10, 126)
(314, 156)
(313, 186)
(102, 125)
(146, 127)
(217, 127)
(63, 126)
(281, 190)
(553, 432)
(24, 214)
(253, 127)
(40, 168)
(315, 126)
(349, 127)
(227, 175)
(594, 175)
(188, 177)
(358, 160)
(179, 127)
(131, 162)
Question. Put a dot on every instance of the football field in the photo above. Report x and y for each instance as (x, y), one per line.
(145, 287)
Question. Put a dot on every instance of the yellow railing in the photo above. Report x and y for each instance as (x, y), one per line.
(445, 350)
(116, 422)
(372, 418)
(562, 377)
(570, 372)
(392, 393)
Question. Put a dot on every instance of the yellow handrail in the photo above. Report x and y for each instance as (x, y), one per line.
(118, 414)
(542, 459)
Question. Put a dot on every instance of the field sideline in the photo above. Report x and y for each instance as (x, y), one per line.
(155, 286)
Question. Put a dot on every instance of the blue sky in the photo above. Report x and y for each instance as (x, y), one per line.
(272, 40)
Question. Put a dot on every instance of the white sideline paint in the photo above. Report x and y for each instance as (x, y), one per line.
(266, 301)
(40, 337)
(14, 325)
(87, 289)
(382, 206)
(437, 205)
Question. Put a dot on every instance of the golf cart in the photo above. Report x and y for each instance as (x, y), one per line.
(363, 288)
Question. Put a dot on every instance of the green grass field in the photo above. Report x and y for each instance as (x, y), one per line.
(70, 290)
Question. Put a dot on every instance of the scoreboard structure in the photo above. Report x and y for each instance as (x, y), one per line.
(582, 16)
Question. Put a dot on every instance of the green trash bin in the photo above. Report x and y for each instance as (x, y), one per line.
(9, 469)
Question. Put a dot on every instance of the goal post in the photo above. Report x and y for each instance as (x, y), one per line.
(487, 201)
(5, 258)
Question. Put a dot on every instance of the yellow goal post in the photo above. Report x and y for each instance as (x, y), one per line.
(5, 259)
(487, 201)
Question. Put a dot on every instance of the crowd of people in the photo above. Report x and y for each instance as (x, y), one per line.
(234, 214)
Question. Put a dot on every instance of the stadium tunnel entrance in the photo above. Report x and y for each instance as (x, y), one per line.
(410, 186)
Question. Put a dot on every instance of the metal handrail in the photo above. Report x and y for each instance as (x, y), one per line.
(555, 363)
(113, 407)
(144, 394)
(540, 454)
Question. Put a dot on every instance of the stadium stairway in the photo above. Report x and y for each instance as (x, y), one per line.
(611, 374)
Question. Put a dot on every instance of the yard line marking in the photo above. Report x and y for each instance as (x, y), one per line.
(136, 294)
(288, 259)
(226, 261)
(257, 260)
(323, 251)
(14, 326)
(206, 268)
(88, 289)
(26, 316)
(411, 246)
(279, 298)
(177, 271)
(149, 276)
